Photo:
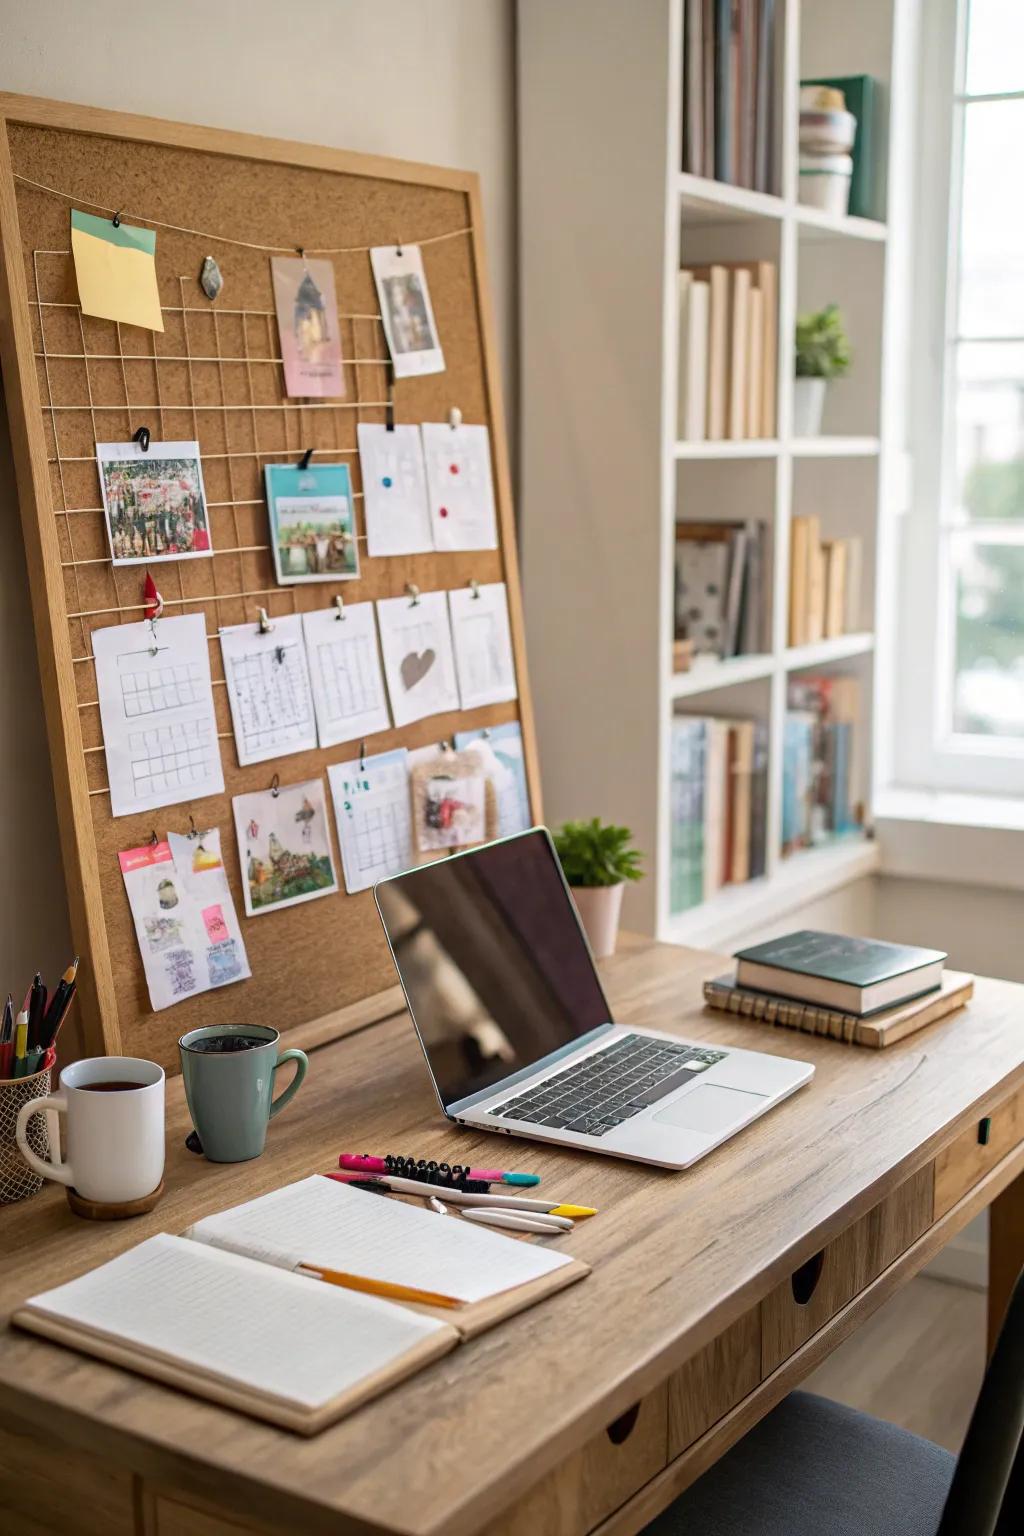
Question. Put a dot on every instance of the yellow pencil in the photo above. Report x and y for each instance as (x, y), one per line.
(379, 1287)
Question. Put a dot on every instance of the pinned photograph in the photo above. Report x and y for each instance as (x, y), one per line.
(284, 845)
(307, 319)
(154, 502)
(312, 522)
(406, 310)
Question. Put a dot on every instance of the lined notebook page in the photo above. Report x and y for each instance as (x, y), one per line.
(329, 1226)
(258, 1327)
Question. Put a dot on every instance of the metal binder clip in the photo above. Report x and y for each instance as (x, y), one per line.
(141, 436)
(193, 830)
(275, 785)
(116, 220)
(304, 461)
(455, 418)
(265, 626)
(339, 603)
(398, 247)
(362, 756)
(389, 408)
(474, 587)
(153, 839)
(414, 593)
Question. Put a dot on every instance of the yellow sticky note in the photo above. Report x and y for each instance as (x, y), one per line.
(116, 270)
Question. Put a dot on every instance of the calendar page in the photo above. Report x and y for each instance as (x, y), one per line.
(268, 689)
(373, 814)
(156, 707)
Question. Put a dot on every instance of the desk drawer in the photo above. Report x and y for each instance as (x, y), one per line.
(801, 1305)
(594, 1481)
(986, 1142)
(713, 1381)
(52, 1488)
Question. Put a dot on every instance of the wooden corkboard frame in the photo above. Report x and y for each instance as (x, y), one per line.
(320, 968)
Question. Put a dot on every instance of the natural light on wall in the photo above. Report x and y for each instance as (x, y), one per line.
(983, 523)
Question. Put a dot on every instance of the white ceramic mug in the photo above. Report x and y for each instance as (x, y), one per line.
(115, 1135)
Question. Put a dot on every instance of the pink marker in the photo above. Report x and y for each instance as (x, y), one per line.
(405, 1167)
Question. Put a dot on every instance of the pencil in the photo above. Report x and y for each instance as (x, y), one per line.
(379, 1287)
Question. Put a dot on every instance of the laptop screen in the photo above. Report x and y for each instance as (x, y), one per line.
(495, 968)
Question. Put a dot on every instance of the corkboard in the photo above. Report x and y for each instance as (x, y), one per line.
(215, 375)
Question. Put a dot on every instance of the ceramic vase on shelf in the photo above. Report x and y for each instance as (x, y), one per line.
(600, 907)
(808, 406)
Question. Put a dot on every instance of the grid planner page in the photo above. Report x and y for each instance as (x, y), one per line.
(345, 673)
(268, 689)
(156, 706)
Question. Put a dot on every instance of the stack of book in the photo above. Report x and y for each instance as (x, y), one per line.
(719, 800)
(822, 795)
(721, 578)
(729, 92)
(824, 583)
(728, 350)
(862, 991)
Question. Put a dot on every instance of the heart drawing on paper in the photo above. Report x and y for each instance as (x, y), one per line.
(415, 667)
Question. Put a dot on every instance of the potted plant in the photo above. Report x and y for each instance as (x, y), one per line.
(597, 859)
(822, 353)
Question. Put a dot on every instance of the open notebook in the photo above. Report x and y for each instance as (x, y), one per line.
(221, 1312)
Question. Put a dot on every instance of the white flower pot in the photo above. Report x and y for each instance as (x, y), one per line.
(600, 907)
(808, 405)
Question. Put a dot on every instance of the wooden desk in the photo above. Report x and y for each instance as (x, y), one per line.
(591, 1411)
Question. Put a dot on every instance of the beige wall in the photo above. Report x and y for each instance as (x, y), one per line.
(425, 80)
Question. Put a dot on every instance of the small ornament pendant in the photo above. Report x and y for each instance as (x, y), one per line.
(210, 279)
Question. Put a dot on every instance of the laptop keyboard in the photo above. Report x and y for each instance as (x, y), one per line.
(596, 1094)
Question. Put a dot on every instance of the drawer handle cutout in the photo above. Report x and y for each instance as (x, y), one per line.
(621, 1428)
(804, 1281)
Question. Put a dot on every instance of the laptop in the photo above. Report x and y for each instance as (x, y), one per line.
(517, 1033)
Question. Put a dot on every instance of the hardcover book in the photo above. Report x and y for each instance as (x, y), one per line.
(858, 976)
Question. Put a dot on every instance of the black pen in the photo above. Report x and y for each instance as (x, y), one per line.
(63, 992)
(7, 1027)
(36, 1008)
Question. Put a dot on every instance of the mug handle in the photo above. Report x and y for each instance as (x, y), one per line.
(301, 1061)
(52, 1105)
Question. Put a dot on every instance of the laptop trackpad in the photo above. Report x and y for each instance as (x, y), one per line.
(709, 1108)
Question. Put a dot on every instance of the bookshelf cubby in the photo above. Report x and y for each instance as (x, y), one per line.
(608, 217)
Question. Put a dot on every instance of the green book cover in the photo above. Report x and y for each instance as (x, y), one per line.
(834, 957)
(862, 99)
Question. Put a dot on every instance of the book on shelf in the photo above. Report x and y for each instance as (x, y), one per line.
(832, 970)
(720, 577)
(824, 583)
(694, 299)
(728, 350)
(718, 800)
(822, 787)
(729, 90)
(876, 1031)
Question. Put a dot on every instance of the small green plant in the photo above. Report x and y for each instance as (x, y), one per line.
(822, 346)
(593, 853)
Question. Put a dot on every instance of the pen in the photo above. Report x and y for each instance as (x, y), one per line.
(7, 1027)
(521, 1221)
(401, 1186)
(378, 1287)
(36, 1008)
(362, 1162)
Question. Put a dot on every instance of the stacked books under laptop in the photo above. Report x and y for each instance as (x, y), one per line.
(862, 991)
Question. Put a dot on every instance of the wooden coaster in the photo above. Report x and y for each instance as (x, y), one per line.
(112, 1210)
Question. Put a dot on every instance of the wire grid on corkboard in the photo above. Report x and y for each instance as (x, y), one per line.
(215, 375)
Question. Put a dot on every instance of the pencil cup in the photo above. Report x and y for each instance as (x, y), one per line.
(17, 1179)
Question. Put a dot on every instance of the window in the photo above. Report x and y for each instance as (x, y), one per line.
(963, 572)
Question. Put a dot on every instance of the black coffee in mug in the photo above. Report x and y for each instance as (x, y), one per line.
(110, 1085)
(219, 1045)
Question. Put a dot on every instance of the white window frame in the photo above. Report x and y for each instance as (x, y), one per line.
(927, 753)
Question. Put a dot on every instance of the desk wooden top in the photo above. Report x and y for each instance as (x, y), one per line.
(676, 1258)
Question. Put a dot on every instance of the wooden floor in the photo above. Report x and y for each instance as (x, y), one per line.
(918, 1361)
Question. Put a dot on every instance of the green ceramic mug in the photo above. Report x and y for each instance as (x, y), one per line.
(229, 1074)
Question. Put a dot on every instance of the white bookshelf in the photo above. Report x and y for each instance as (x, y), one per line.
(607, 217)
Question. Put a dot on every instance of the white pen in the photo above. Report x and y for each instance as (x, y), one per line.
(400, 1186)
(521, 1221)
